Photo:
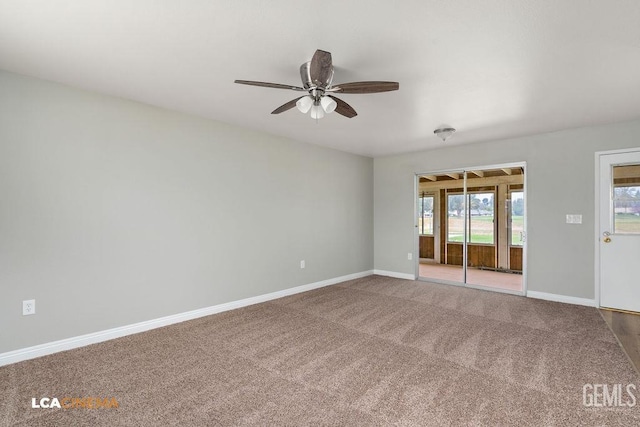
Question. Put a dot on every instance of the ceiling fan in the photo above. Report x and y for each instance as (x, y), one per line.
(317, 77)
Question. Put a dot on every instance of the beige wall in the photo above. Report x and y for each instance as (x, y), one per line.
(561, 174)
(114, 212)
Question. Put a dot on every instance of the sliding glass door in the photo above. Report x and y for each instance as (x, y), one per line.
(471, 227)
(435, 207)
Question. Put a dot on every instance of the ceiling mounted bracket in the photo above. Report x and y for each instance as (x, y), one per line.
(444, 133)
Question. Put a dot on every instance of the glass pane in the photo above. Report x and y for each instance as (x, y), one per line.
(481, 218)
(455, 223)
(626, 208)
(425, 215)
(517, 218)
(626, 199)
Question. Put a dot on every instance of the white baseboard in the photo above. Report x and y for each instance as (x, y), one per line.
(109, 334)
(562, 298)
(394, 274)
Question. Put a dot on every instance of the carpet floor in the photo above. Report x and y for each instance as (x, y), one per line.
(371, 351)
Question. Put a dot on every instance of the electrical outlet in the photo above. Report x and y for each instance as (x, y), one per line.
(302, 264)
(409, 256)
(28, 307)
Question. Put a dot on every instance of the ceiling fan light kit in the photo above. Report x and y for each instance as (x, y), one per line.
(317, 78)
(328, 104)
(304, 104)
(316, 111)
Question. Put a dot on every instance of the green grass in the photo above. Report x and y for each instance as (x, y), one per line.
(517, 227)
(482, 229)
(475, 238)
(627, 223)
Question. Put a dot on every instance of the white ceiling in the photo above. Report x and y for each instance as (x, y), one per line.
(492, 69)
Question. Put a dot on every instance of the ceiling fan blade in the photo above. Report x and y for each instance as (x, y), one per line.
(321, 68)
(265, 84)
(343, 108)
(365, 87)
(284, 107)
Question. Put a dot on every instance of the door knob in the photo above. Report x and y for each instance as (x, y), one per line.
(607, 239)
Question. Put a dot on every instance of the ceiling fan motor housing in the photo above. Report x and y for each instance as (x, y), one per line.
(307, 81)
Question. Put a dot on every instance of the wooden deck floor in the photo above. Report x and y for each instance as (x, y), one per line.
(626, 326)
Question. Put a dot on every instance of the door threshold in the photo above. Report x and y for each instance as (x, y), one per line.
(495, 289)
(468, 286)
(619, 310)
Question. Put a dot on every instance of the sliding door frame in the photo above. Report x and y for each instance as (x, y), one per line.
(442, 232)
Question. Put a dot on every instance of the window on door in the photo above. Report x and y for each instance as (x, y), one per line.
(626, 199)
(626, 205)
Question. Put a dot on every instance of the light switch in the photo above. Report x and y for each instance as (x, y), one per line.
(574, 219)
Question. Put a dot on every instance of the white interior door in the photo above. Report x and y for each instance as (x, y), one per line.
(619, 239)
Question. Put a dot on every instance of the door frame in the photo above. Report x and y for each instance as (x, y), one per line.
(596, 227)
(416, 237)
